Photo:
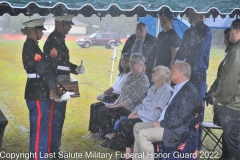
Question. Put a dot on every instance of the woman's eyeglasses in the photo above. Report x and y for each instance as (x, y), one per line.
(132, 62)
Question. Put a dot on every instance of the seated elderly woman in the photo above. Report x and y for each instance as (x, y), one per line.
(149, 110)
(116, 88)
(133, 92)
(136, 80)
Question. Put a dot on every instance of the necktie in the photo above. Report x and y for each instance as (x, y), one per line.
(136, 48)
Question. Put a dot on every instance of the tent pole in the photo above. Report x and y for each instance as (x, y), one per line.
(158, 26)
(113, 60)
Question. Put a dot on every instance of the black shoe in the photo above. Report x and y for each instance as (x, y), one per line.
(105, 144)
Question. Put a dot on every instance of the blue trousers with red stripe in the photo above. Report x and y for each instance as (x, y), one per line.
(57, 117)
(39, 111)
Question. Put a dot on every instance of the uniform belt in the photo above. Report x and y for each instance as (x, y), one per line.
(63, 78)
(65, 68)
(33, 75)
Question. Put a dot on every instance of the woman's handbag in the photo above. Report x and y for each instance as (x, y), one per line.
(116, 125)
(109, 98)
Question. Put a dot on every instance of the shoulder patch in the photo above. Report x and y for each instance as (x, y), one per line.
(37, 57)
(53, 52)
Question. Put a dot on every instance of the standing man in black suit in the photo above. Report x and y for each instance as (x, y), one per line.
(176, 117)
(143, 43)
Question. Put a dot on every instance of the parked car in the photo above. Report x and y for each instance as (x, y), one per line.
(107, 39)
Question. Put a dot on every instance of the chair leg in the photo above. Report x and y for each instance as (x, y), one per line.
(214, 138)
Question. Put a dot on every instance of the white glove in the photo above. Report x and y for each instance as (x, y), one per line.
(58, 100)
(66, 96)
(80, 69)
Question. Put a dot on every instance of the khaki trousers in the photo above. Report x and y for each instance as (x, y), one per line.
(144, 136)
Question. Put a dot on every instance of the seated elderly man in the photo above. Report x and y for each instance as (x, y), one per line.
(149, 110)
(132, 94)
(176, 117)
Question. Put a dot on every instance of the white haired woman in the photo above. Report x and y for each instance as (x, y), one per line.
(149, 110)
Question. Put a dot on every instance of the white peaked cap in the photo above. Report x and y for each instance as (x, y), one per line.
(35, 23)
(65, 18)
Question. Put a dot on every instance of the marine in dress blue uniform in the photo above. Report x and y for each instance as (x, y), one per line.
(55, 47)
(39, 80)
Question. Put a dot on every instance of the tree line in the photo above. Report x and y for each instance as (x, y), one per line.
(122, 25)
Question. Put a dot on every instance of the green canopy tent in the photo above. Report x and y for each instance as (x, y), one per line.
(117, 7)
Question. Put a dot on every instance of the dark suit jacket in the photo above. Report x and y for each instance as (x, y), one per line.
(179, 115)
(147, 49)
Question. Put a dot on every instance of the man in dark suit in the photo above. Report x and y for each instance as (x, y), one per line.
(142, 42)
(174, 123)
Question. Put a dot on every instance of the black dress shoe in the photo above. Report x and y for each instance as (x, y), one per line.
(105, 144)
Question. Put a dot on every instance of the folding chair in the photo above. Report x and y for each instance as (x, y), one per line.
(208, 127)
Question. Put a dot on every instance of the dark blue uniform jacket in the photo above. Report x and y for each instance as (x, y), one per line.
(36, 63)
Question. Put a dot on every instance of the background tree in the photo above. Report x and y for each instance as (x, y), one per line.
(122, 25)
(16, 22)
(5, 23)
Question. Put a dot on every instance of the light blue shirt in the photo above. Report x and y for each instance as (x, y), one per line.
(147, 110)
(176, 88)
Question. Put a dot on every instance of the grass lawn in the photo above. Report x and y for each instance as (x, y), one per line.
(97, 62)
